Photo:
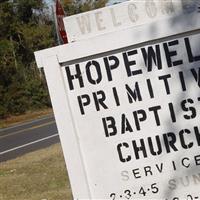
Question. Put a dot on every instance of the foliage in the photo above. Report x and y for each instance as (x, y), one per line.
(26, 26)
(77, 6)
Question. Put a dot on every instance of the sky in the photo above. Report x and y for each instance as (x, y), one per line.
(49, 2)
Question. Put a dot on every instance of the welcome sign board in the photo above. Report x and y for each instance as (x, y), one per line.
(128, 110)
(125, 15)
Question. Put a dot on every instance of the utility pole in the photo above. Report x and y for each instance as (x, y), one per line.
(55, 23)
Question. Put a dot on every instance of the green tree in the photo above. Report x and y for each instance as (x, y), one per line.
(25, 27)
(76, 6)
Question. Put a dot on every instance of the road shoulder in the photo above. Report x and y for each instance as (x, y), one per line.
(29, 116)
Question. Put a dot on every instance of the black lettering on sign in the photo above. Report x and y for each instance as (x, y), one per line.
(155, 112)
(160, 168)
(95, 65)
(166, 83)
(111, 62)
(109, 125)
(191, 57)
(182, 81)
(150, 89)
(115, 94)
(188, 108)
(133, 94)
(140, 148)
(99, 98)
(83, 100)
(152, 56)
(182, 139)
(172, 112)
(153, 60)
(71, 77)
(152, 148)
(157, 144)
(139, 116)
(123, 158)
(197, 134)
(184, 164)
(136, 173)
(196, 75)
(128, 63)
(126, 126)
(148, 170)
(197, 160)
(170, 140)
(169, 54)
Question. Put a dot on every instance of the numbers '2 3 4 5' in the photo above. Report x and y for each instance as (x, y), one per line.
(128, 194)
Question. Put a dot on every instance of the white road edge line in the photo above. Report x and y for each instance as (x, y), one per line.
(28, 144)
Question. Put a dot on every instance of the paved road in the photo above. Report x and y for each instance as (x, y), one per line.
(27, 137)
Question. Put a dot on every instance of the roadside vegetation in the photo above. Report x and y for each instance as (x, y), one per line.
(27, 26)
(28, 116)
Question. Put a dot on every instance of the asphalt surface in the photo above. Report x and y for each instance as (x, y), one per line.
(23, 138)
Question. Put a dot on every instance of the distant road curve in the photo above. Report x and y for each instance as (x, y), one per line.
(26, 137)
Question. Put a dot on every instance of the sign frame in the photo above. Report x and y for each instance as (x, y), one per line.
(52, 59)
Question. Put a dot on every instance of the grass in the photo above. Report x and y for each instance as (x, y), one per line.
(30, 115)
(40, 175)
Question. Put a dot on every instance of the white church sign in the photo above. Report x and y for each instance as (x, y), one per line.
(127, 107)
